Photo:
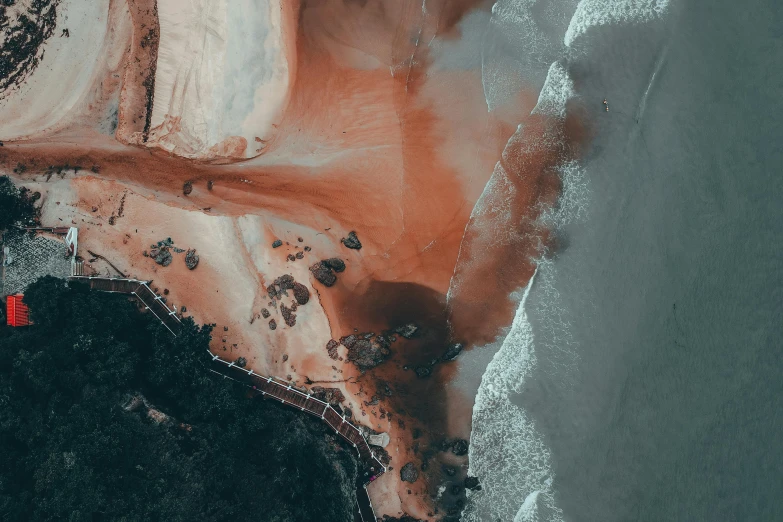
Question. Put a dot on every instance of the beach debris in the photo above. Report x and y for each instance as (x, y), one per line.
(277, 243)
(241, 362)
(191, 259)
(265, 313)
(352, 241)
(272, 324)
(409, 473)
(301, 293)
(187, 188)
(323, 274)
(472, 483)
(452, 352)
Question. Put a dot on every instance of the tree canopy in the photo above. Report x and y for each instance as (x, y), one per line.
(16, 205)
(72, 449)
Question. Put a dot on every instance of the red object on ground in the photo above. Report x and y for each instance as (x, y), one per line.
(16, 311)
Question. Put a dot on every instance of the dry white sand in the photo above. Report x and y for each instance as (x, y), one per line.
(222, 77)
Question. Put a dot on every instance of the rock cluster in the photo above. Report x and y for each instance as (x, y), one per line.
(331, 395)
(472, 483)
(161, 253)
(352, 241)
(331, 348)
(278, 290)
(409, 473)
(366, 352)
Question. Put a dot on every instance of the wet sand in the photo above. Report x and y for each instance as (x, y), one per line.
(373, 139)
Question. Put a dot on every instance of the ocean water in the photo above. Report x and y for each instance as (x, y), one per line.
(642, 378)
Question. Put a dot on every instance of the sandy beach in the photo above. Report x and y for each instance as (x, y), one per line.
(349, 125)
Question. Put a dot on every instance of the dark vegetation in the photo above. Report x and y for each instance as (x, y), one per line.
(16, 205)
(70, 450)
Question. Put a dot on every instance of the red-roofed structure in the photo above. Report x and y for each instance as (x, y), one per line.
(16, 311)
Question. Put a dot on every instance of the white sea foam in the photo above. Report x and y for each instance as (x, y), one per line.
(557, 90)
(592, 13)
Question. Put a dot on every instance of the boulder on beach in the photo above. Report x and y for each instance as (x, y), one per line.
(459, 447)
(241, 362)
(323, 274)
(276, 243)
(472, 483)
(407, 330)
(423, 371)
(352, 241)
(301, 293)
(335, 263)
(409, 473)
(191, 259)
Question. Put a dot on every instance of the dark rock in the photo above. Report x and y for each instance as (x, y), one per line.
(291, 257)
(271, 291)
(299, 239)
(241, 362)
(288, 316)
(331, 348)
(191, 259)
(225, 328)
(456, 489)
(299, 255)
(335, 263)
(184, 309)
(459, 447)
(472, 483)
(301, 293)
(210, 184)
(187, 188)
(307, 248)
(162, 256)
(383, 341)
(165, 291)
(448, 470)
(277, 243)
(323, 274)
(331, 395)
(452, 352)
(423, 371)
(272, 324)
(286, 282)
(285, 357)
(407, 330)
(364, 353)
(409, 473)
(352, 241)
(265, 313)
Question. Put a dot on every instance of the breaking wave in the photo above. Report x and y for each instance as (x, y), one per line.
(592, 13)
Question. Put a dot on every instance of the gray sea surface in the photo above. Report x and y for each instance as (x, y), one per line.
(658, 326)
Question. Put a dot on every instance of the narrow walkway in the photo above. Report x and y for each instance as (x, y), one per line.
(286, 394)
(139, 289)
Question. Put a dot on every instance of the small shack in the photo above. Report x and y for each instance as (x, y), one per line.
(16, 312)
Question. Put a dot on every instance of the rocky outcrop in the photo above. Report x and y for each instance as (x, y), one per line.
(332, 396)
(352, 241)
(323, 274)
(365, 353)
(288, 315)
(409, 473)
